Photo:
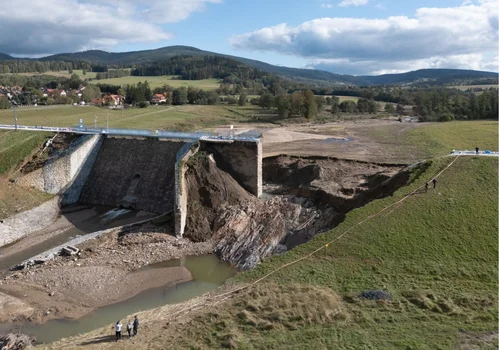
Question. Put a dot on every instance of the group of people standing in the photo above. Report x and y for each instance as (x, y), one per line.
(129, 327)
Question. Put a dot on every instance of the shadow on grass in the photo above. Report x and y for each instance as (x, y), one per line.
(99, 340)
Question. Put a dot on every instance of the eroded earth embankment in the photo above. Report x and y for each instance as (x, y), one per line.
(303, 197)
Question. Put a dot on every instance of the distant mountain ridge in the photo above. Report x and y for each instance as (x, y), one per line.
(435, 76)
(5, 57)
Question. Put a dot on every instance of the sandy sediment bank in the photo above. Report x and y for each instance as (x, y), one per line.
(71, 292)
(107, 271)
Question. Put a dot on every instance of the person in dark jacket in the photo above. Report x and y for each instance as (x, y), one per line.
(434, 183)
(135, 326)
(477, 150)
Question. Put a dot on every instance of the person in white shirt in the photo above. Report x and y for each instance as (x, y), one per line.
(118, 330)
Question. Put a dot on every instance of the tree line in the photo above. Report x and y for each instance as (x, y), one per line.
(114, 73)
(39, 66)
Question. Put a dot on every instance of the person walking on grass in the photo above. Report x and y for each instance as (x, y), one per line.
(434, 181)
(129, 327)
(135, 326)
(426, 185)
(118, 326)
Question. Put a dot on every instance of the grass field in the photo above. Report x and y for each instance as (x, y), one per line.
(155, 81)
(188, 117)
(466, 87)
(437, 139)
(62, 73)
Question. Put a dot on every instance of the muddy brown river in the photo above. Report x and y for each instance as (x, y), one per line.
(208, 273)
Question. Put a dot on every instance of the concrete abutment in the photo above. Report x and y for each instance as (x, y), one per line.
(241, 159)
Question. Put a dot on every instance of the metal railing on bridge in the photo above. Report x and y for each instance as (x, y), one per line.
(171, 135)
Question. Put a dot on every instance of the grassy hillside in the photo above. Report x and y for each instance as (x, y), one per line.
(436, 254)
(466, 87)
(309, 75)
(435, 139)
(15, 147)
(188, 117)
(159, 81)
(62, 73)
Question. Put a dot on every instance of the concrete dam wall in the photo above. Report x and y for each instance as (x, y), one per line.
(136, 173)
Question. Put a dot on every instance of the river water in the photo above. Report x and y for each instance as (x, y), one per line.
(208, 272)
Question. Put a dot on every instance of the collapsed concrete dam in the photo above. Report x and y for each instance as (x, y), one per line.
(213, 187)
(145, 174)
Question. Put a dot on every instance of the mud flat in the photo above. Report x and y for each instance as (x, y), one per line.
(107, 270)
(206, 271)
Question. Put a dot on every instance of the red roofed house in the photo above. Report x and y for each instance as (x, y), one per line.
(97, 101)
(158, 98)
(113, 100)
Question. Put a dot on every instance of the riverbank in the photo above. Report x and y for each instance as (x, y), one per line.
(107, 270)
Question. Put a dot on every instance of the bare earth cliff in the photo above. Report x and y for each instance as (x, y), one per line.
(304, 197)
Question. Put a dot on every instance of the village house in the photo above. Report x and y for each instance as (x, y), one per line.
(97, 101)
(158, 98)
(48, 92)
(113, 100)
(75, 92)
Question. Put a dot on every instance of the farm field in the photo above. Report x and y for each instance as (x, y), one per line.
(466, 87)
(159, 81)
(62, 73)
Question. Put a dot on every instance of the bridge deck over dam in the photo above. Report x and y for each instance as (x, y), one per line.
(141, 169)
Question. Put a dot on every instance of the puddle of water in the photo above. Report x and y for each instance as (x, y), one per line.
(332, 140)
(85, 220)
(208, 272)
(266, 196)
(114, 213)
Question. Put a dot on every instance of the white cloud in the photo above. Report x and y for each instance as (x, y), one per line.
(327, 6)
(346, 3)
(367, 67)
(452, 36)
(48, 26)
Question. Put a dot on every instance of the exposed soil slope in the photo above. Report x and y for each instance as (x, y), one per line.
(308, 196)
(244, 228)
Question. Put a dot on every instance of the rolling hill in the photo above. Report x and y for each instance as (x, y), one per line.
(145, 57)
(4, 57)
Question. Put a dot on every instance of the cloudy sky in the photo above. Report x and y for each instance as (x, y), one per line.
(342, 36)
